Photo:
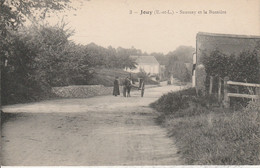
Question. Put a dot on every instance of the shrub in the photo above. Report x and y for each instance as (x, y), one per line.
(181, 103)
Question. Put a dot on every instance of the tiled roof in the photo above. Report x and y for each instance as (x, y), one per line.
(226, 43)
(145, 59)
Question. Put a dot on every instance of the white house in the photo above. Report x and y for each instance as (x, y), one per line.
(148, 64)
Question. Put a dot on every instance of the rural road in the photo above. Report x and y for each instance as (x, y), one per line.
(97, 131)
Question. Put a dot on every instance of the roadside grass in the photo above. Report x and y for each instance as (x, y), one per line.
(210, 135)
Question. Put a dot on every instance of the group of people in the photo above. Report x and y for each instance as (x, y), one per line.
(127, 85)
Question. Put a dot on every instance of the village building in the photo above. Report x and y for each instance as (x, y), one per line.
(226, 43)
(147, 64)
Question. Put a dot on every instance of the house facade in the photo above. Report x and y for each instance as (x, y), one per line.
(226, 43)
(148, 64)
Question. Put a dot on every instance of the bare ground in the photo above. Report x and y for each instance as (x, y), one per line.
(103, 130)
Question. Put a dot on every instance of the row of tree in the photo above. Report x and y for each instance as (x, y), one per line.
(39, 57)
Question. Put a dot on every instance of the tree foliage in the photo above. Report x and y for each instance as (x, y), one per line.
(17, 57)
(176, 63)
(178, 70)
(182, 53)
(36, 58)
(32, 60)
(241, 68)
(42, 57)
(244, 67)
(14, 13)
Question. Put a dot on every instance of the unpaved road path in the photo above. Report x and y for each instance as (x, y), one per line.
(103, 130)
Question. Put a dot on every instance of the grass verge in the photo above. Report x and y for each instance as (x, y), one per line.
(207, 135)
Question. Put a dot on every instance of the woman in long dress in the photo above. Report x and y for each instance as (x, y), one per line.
(116, 87)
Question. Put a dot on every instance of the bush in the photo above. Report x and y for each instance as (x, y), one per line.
(18, 81)
(181, 103)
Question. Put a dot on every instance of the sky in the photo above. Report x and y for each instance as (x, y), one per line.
(109, 23)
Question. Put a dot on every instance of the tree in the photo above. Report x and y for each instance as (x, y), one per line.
(123, 56)
(183, 53)
(17, 57)
(241, 68)
(176, 62)
(179, 71)
(15, 74)
(127, 62)
(217, 64)
(246, 67)
(161, 58)
(14, 13)
(51, 45)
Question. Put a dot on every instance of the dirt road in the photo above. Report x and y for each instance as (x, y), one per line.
(103, 130)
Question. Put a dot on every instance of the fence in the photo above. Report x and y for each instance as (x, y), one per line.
(227, 95)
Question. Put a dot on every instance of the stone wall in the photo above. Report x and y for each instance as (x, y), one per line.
(82, 91)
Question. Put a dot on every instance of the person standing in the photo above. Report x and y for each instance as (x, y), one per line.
(142, 87)
(124, 87)
(116, 87)
(128, 86)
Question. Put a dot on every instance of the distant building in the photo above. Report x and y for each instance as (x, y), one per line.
(226, 43)
(148, 64)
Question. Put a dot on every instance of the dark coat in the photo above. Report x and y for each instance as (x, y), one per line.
(128, 83)
(128, 86)
(116, 88)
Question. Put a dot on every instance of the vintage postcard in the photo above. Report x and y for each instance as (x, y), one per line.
(130, 82)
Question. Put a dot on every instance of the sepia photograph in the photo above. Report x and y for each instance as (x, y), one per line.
(130, 82)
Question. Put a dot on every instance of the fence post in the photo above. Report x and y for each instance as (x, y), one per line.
(226, 98)
(210, 85)
(219, 89)
(258, 92)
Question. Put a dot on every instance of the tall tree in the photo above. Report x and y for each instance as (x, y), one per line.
(183, 53)
(161, 58)
(17, 58)
(14, 13)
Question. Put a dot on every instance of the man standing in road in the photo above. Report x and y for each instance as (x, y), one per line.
(128, 86)
(124, 87)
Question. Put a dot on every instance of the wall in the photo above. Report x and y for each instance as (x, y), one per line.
(82, 91)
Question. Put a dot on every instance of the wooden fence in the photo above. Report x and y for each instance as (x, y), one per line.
(227, 95)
